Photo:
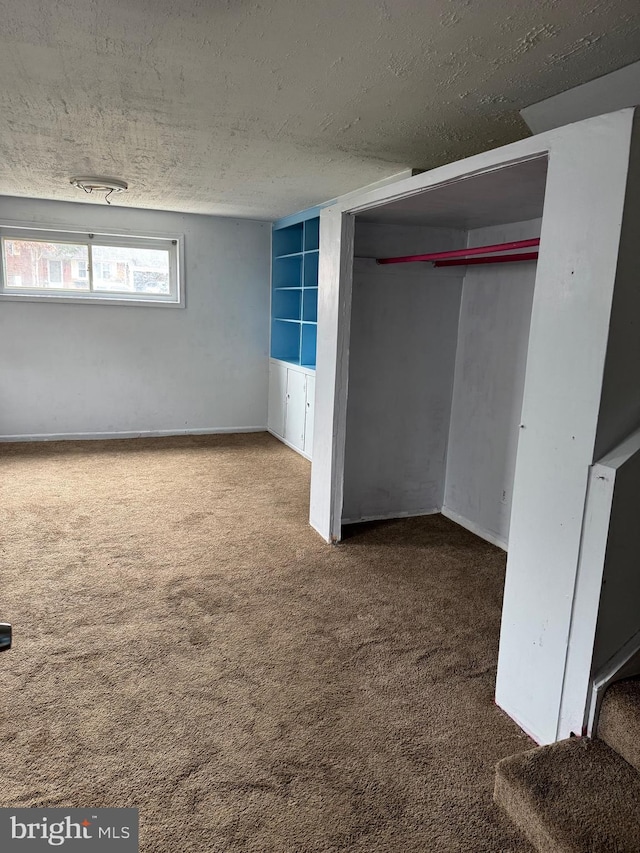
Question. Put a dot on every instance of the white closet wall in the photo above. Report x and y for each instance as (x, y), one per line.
(401, 362)
(493, 336)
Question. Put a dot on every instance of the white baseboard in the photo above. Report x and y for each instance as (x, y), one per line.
(475, 528)
(288, 443)
(150, 433)
(389, 516)
(526, 728)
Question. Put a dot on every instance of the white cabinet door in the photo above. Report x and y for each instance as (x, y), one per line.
(296, 408)
(309, 414)
(277, 398)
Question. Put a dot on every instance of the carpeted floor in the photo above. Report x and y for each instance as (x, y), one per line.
(186, 644)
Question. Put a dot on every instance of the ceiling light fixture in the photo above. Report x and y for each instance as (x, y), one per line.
(100, 185)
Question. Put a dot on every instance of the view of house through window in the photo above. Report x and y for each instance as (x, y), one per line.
(90, 268)
(36, 264)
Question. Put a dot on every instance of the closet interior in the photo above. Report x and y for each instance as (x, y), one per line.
(438, 349)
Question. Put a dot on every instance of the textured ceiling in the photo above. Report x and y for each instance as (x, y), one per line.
(246, 108)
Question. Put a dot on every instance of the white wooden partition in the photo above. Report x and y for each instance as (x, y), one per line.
(584, 206)
(332, 354)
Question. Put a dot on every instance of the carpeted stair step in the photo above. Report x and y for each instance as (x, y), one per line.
(619, 723)
(575, 796)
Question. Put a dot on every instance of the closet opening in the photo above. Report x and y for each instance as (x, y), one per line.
(438, 350)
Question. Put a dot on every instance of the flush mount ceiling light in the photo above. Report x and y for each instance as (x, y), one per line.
(100, 185)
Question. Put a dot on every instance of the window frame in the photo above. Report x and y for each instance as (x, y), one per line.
(173, 243)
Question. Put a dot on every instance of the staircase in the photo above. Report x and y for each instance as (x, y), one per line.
(581, 795)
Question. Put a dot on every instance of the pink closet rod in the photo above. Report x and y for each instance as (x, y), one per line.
(462, 253)
(492, 259)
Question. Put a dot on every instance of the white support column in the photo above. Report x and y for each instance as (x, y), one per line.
(335, 277)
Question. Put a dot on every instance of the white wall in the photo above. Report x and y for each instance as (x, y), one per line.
(401, 359)
(493, 336)
(69, 369)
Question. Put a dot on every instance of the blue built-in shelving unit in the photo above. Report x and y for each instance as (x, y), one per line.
(294, 295)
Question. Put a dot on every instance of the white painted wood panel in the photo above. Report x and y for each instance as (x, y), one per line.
(298, 408)
(565, 363)
(277, 397)
(310, 395)
(334, 317)
(295, 409)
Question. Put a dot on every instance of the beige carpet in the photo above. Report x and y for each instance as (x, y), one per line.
(575, 796)
(619, 721)
(186, 644)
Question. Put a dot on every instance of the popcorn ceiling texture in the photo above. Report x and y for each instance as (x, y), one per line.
(186, 644)
(258, 109)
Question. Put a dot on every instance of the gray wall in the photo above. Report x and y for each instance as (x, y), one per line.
(69, 369)
(619, 413)
(613, 91)
(491, 359)
(618, 420)
(402, 349)
(619, 611)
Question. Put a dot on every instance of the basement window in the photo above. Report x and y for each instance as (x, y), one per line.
(70, 266)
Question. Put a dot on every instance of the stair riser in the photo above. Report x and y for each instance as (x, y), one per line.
(517, 808)
(619, 723)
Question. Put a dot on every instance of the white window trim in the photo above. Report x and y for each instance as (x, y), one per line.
(121, 238)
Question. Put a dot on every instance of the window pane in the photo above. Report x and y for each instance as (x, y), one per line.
(130, 270)
(43, 265)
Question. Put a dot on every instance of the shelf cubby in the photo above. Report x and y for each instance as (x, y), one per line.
(310, 304)
(310, 269)
(286, 304)
(287, 272)
(308, 344)
(287, 241)
(285, 340)
(312, 234)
